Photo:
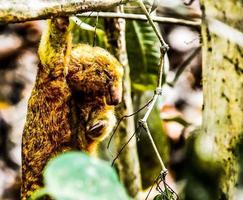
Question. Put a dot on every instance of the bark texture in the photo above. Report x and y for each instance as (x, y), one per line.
(127, 163)
(223, 91)
(25, 10)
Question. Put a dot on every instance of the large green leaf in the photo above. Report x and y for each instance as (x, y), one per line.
(143, 49)
(76, 176)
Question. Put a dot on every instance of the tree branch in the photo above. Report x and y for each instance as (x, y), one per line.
(142, 17)
(13, 11)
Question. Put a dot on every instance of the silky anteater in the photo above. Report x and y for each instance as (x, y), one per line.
(72, 103)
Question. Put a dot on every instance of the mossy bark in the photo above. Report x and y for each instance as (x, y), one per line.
(13, 11)
(127, 163)
(223, 91)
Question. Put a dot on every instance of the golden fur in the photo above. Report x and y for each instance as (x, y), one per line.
(72, 102)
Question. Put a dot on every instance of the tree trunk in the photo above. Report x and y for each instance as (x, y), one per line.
(223, 91)
(127, 163)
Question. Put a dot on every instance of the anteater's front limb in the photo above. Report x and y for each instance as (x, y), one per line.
(47, 130)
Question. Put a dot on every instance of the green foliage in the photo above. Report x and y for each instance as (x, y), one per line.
(87, 36)
(143, 55)
(76, 176)
(168, 196)
(158, 197)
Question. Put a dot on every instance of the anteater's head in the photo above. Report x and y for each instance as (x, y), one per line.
(95, 73)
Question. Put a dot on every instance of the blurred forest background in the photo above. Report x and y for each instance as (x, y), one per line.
(173, 123)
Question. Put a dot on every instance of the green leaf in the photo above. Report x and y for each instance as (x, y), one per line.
(87, 36)
(158, 197)
(143, 54)
(76, 176)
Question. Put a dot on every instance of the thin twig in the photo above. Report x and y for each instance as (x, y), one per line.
(164, 45)
(188, 3)
(126, 116)
(158, 91)
(150, 190)
(141, 17)
(161, 67)
(80, 22)
(183, 65)
(96, 22)
(145, 127)
(120, 151)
